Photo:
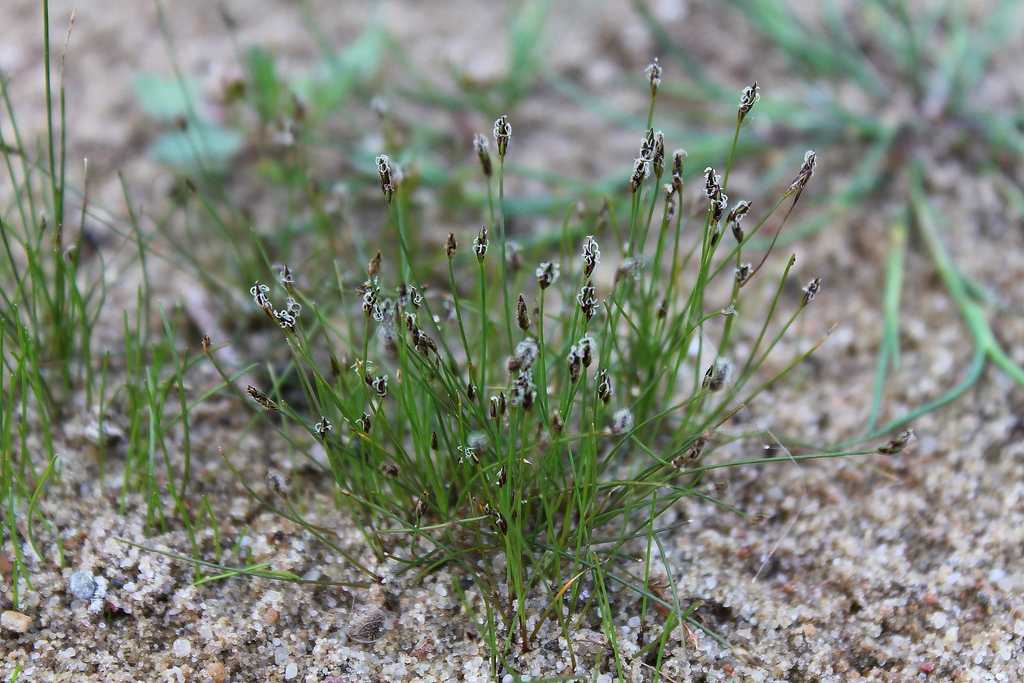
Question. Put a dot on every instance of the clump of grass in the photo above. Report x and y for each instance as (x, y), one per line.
(533, 445)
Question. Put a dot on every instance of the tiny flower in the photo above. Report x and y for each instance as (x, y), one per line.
(480, 244)
(631, 268)
(379, 384)
(523, 392)
(502, 134)
(591, 255)
(898, 443)
(522, 314)
(692, 453)
(743, 272)
(384, 170)
(622, 421)
(364, 423)
(712, 183)
(735, 217)
(497, 518)
(678, 158)
(587, 349)
(748, 98)
(323, 427)
(261, 398)
(287, 279)
(717, 375)
(547, 274)
(259, 295)
(803, 175)
(277, 482)
(641, 169)
(525, 356)
(587, 300)
(647, 146)
(658, 160)
(482, 148)
(653, 73)
(450, 245)
(810, 291)
(604, 386)
(373, 267)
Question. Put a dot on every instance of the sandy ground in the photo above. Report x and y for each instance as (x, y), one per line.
(886, 568)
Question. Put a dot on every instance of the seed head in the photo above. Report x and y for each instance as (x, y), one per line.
(622, 421)
(502, 134)
(556, 422)
(898, 443)
(604, 386)
(480, 244)
(450, 245)
(496, 517)
(471, 391)
(587, 349)
(387, 182)
(653, 73)
(748, 98)
(810, 291)
(373, 267)
(522, 315)
(743, 272)
(717, 375)
(547, 274)
(483, 151)
(591, 255)
(364, 423)
(323, 427)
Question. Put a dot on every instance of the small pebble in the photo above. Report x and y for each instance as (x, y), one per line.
(82, 584)
(15, 621)
(215, 670)
(291, 671)
(182, 647)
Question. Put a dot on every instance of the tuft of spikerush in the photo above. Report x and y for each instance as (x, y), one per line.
(483, 152)
(502, 134)
(492, 436)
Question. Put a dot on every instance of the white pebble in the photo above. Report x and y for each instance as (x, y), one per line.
(291, 671)
(182, 647)
(82, 584)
